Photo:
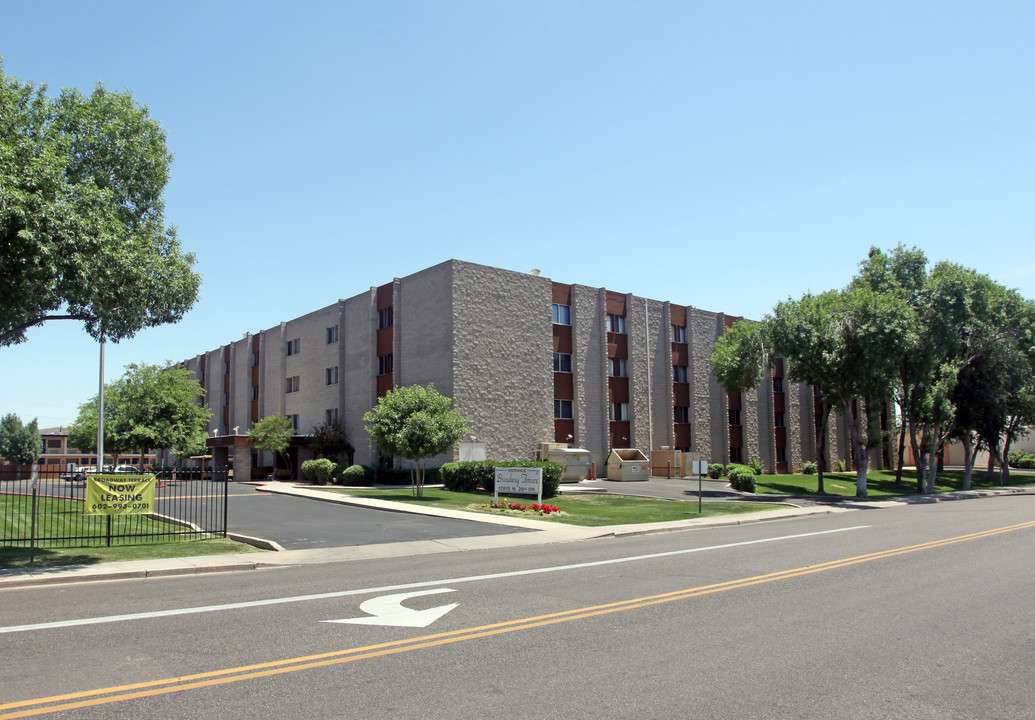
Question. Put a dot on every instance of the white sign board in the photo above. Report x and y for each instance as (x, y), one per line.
(519, 481)
(700, 467)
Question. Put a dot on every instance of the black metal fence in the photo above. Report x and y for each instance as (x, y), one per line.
(48, 511)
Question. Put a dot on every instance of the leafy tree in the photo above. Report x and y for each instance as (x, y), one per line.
(415, 423)
(82, 229)
(331, 441)
(20, 444)
(843, 343)
(148, 408)
(273, 434)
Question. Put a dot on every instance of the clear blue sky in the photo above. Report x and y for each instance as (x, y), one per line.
(721, 155)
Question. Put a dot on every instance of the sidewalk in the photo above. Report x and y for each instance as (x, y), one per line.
(546, 532)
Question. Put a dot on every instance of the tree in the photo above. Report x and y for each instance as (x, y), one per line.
(415, 423)
(331, 441)
(20, 444)
(148, 408)
(273, 434)
(82, 229)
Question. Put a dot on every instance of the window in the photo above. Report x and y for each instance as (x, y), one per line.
(385, 318)
(331, 415)
(562, 409)
(781, 454)
(292, 384)
(778, 384)
(618, 411)
(561, 314)
(226, 399)
(734, 417)
(201, 376)
(294, 347)
(226, 367)
(294, 422)
(616, 324)
(617, 367)
(255, 359)
(736, 455)
(679, 373)
(332, 334)
(678, 334)
(384, 365)
(779, 419)
(255, 392)
(562, 362)
(332, 375)
(681, 414)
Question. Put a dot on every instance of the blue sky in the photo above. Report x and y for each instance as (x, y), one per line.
(721, 155)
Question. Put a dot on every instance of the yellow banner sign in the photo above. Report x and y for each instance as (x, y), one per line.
(119, 494)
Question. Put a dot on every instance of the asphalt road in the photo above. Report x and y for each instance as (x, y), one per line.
(299, 524)
(909, 612)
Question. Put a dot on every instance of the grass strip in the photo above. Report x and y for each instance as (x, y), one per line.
(590, 510)
(18, 557)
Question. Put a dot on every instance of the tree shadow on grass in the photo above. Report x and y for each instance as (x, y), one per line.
(19, 558)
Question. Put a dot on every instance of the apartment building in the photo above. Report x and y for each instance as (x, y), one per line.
(525, 359)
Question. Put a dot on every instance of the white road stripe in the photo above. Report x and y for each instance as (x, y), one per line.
(407, 586)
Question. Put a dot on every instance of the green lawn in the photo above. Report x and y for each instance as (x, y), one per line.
(589, 510)
(18, 557)
(63, 517)
(879, 483)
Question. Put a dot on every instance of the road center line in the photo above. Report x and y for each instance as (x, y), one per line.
(104, 696)
(407, 586)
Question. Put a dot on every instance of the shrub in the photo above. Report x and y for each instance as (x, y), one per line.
(404, 476)
(840, 465)
(715, 470)
(1027, 462)
(355, 475)
(808, 468)
(756, 465)
(461, 476)
(317, 471)
(1014, 458)
(742, 478)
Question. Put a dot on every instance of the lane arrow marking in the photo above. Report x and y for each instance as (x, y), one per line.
(389, 610)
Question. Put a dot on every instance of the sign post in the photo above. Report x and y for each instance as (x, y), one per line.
(700, 467)
(518, 481)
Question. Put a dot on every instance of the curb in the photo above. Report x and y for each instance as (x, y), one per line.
(548, 533)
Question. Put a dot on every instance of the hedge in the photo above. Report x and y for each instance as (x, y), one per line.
(481, 475)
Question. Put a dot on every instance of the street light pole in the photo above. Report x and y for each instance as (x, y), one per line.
(100, 414)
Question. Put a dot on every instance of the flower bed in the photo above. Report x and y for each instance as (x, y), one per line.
(517, 508)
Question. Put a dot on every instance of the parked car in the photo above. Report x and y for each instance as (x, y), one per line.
(127, 469)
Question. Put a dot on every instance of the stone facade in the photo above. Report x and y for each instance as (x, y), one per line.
(484, 337)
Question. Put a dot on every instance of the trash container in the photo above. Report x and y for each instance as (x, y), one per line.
(627, 464)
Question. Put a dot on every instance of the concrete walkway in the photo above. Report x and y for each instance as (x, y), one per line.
(546, 532)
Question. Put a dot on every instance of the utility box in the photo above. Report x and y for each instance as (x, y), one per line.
(627, 464)
(574, 460)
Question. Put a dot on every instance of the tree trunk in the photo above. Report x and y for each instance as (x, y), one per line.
(901, 455)
(970, 455)
(1004, 465)
(860, 453)
(918, 458)
(821, 446)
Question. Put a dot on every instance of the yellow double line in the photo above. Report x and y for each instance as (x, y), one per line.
(119, 693)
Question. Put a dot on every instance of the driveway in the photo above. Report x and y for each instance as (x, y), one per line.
(299, 523)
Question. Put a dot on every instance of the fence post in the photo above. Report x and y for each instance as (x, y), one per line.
(32, 532)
